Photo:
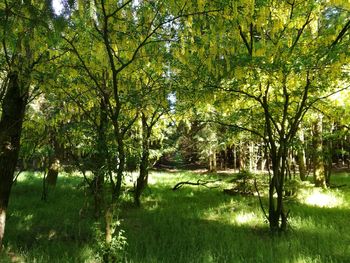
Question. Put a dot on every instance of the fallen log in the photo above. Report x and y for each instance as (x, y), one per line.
(199, 183)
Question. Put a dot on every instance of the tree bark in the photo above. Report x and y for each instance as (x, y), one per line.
(242, 156)
(142, 180)
(319, 171)
(329, 157)
(234, 157)
(214, 161)
(277, 216)
(121, 166)
(102, 161)
(13, 108)
(301, 156)
(252, 157)
(52, 174)
(54, 161)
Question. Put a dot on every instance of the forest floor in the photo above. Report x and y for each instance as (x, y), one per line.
(191, 224)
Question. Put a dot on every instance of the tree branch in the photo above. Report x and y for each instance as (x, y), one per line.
(341, 34)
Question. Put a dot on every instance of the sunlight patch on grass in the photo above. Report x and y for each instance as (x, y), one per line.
(306, 259)
(243, 218)
(320, 198)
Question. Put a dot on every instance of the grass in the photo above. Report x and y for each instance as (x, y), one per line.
(192, 224)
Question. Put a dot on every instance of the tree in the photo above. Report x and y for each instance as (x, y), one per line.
(280, 58)
(23, 51)
(154, 105)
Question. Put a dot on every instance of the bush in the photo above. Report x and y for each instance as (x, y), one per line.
(113, 251)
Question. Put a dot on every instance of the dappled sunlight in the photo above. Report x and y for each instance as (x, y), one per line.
(233, 213)
(243, 218)
(152, 180)
(321, 198)
(305, 259)
(218, 213)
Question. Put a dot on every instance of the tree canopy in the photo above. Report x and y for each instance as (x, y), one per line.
(112, 87)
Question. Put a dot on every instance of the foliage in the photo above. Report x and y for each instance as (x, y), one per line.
(118, 85)
(115, 250)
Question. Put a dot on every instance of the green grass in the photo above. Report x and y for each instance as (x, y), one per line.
(51, 231)
(192, 224)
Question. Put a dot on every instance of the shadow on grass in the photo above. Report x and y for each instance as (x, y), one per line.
(52, 230)
(192, 224)
(177, 226)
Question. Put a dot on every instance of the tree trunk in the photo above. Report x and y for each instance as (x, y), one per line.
(13, 108)
(301, 156)
(214, 161)
(54, 164)
(210, 162)
(329, 157)
(2, 224)
(52, 174)
(141, 182)
(121, 166)
(277, 215)
(234, 157)
(102, 160)
(109, 224)
(319, 172)
(242, 157)
(252, 157)
(225, 158)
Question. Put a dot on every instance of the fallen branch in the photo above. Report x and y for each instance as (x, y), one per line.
(199, 182)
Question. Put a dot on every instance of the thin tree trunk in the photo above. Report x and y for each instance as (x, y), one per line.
(141, 182)
(214, 161)
(242, 157)
(225, 159)
(235, 157)
(109, 224)
(121, 167)
(319, 171)
(329, 157)
(102, 159)
(210, 162)
(252, 157)
(301, 156)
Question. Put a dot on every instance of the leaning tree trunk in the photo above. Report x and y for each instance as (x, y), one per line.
(13, 108)
(141, 182)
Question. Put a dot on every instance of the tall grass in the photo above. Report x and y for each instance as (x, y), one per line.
(197, 224)
(48, 231)
(191, 224)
